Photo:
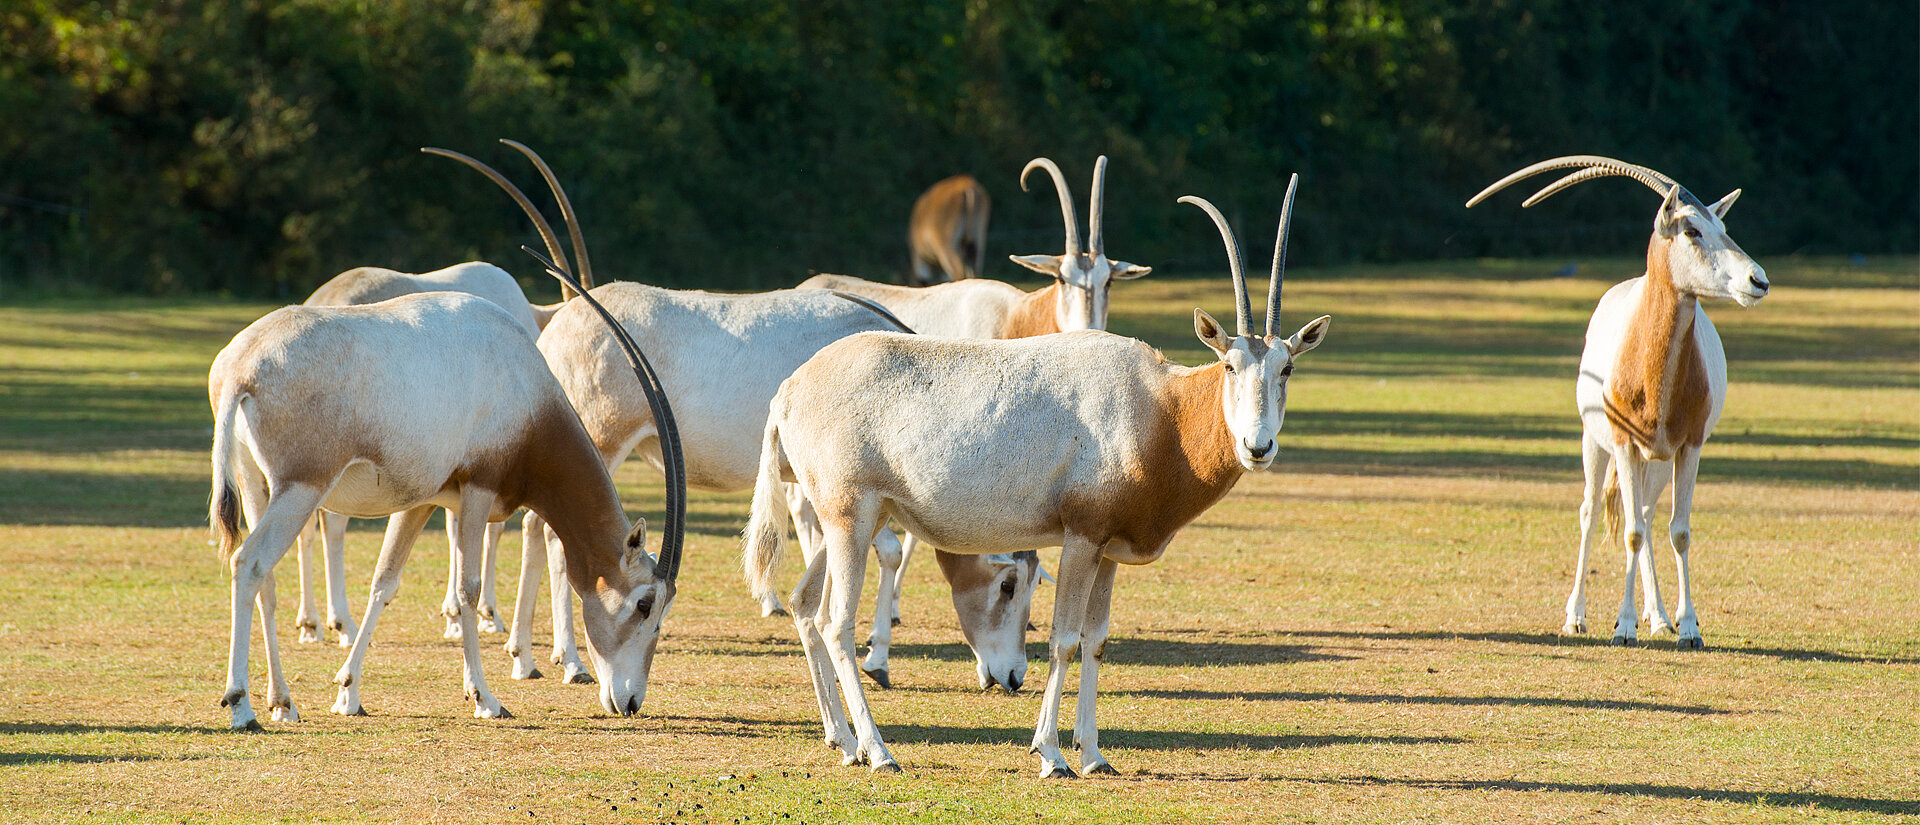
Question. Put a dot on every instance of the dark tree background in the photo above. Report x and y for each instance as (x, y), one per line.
(257, 148)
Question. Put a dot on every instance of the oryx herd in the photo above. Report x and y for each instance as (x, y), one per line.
(984, 421)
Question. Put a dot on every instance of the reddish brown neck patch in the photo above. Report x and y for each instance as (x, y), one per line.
(1034, 315)
(1658, 398)
(1188, 463)
(557, 473)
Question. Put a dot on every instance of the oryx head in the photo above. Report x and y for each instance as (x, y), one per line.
(993, 597)
(622, 620)
(1253, 394)
(1690, 241)
(1083, 278)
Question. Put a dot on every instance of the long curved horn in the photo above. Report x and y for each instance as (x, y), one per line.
(1594, 166)
(519, 197)
(1096, 203)
(1242, 311)
(1280, 258)
(566, 211)
(1066, 201)
(672, 462)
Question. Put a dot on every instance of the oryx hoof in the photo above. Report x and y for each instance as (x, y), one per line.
(1100, 768)
(771, 610)
(887, 766)
(879, 677)
(495, 712)
(1574, 627)
(1058, 772)
(453, 630)
(251, 726)
(1659, 627)
(1624, 641)
(524, 670)
(577, 674)
(1692, 643)
(349, 706)
(284, 712)
(896, 622)
(491, 624)
(310, 633)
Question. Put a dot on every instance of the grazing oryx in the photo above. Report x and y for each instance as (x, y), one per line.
(1085, 440)
(427, 400)
(1077, 299)
(720, 358)
(1653, 377)
(369, 285)
(948, 231)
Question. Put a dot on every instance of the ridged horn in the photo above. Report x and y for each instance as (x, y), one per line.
(1280, 259)
(566, 211)
(673, 463)
(1096, 209)
(1242, 310)
(1593, 166)
(1066, 200)
(519, 197)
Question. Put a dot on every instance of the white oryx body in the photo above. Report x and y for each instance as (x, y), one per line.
(720, 358)
(1652, 382)
(1084, 440)
(1077, 299)
(423, 401)
(947, 231)
(368, 285)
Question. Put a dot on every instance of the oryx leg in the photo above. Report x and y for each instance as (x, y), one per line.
(1686, 465)
(848, 535)
(469, 556)
(809, 600)
(1596, 459)
(1630, 469)
(489, 600)
(1653, 609)
(1093, 648)
(1079, 568)
(907, 546)
(520, 639)
(307, 622)
(450, 606)
(274, 523)
(333, 538)
(887, 547)
(402, 529)
(566, 650)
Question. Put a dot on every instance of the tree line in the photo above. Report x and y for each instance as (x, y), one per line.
(257, 148)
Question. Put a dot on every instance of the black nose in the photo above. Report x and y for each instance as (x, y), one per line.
(1013, 682)
(633, 706)
(1261, 451)
(1757, 283)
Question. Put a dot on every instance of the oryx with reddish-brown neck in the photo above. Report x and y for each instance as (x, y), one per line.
(368, 285)
(981, 308)
(1653, 377)
(720, 358)
(428, 400)
(1077, 299)
(1083, 440)
(947, 231)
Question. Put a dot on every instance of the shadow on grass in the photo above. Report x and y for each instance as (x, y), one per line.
(1124, 651)
(78, 729)
(29, 758)
(1559, 640)
(1152, 740)
(1400, 699)
(1771, 799)
(1478, 463)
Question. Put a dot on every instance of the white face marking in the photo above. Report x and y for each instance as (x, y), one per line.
(1254, 397)
(1084, 282)
(1705, 261)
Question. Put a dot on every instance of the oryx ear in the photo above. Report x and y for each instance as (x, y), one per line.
(636, 545)
(1721, 206)
(1123, 271)
(1048, 265)
(1310, 335)
(1210, 332)
(1665, 223)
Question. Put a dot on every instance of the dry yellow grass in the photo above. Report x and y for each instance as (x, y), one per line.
(1368, 634)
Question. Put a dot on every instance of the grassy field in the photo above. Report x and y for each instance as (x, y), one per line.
(1370, 633)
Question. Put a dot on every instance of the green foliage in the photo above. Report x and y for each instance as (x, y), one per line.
(258, 147)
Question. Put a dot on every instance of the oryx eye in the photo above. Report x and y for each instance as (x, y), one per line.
(1229, 367)
(644, 607)
(1007, 587)
(1692, 232)
(1286, 370)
